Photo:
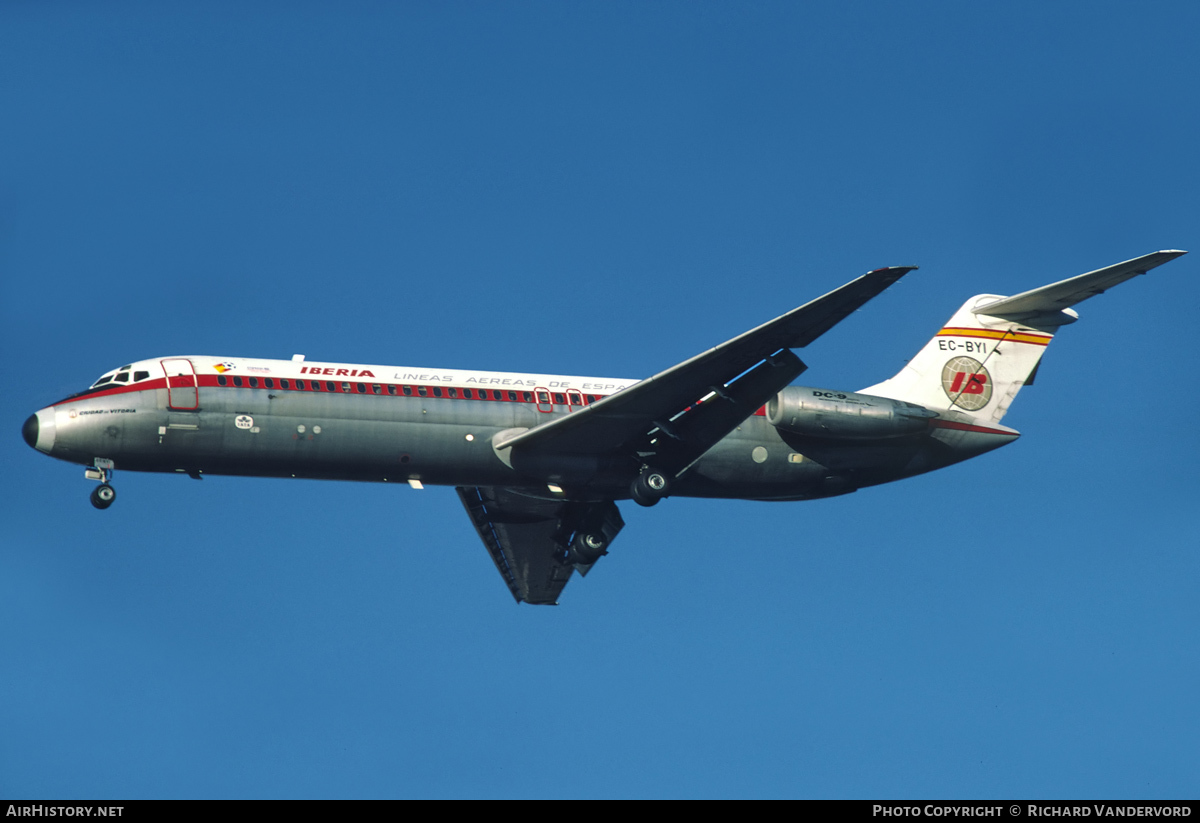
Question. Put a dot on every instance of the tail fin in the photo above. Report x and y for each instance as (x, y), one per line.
(975, 364)
(991, 347)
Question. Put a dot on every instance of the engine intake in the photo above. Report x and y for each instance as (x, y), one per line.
(845, 415)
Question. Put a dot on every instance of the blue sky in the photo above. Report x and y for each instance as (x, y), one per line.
(602, 189)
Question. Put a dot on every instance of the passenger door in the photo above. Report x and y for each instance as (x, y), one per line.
(182, 394)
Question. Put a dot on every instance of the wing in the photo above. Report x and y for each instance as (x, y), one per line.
(1066, 293)
(673, 402)
(529, 538)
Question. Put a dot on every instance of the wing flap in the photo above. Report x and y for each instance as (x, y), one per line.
(520, 535)
(527, 537)
(680, 442)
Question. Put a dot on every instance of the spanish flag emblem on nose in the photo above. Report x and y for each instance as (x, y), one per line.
(223, 367)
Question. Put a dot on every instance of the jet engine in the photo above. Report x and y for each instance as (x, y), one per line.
(845, 415)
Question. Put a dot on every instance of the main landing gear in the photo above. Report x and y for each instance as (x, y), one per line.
(104, 494)
(588, 547)
(650, 487)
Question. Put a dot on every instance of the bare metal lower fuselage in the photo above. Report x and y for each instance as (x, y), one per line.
(366, 433)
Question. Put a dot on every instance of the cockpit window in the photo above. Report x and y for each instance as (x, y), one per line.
(122, 377)
(105, 379)
(140, 375)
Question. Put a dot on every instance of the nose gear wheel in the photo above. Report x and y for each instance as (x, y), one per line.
(103, 496)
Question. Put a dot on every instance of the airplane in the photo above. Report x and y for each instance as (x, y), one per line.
(539, 461)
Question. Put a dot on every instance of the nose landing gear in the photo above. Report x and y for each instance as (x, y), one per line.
(104, 494)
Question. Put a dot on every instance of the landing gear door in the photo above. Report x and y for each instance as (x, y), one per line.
(181, 385)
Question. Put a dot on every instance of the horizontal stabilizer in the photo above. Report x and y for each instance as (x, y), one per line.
(1066, 293)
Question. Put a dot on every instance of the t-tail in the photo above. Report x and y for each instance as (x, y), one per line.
(972, 369)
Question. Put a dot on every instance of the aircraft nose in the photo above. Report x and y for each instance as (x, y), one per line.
(38, 430)
(30, 431)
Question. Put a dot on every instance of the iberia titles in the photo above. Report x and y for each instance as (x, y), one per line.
(334, 372)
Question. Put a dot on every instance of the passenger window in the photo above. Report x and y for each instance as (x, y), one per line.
(421, 390)
(284, 383)
(543, 397)
(437, 391)
(467, 393)
(559, 400)
(512, 395)
(392, 390)
(527, 396)
(452, 392)
(362, 388)
(268, 382)
(254, 382)
(408, 391)
(222, 380)
(140, 375)
(237, 381)
(375, 388)
(346, 387)
(576, 400)
(329, 386)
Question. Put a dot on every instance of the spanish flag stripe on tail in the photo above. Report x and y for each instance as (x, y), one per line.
(996, 334)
